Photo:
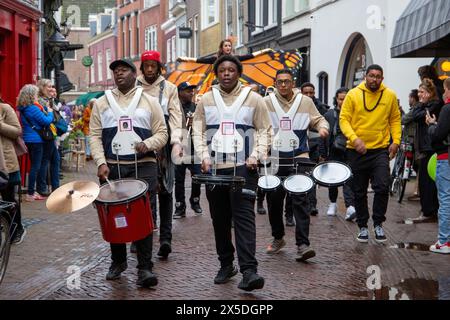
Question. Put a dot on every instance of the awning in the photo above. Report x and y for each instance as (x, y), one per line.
(85, 98)
(423, 30)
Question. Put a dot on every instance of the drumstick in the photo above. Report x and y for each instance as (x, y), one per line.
(113, 187)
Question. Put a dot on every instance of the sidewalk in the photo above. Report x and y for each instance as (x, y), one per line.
(38, 268)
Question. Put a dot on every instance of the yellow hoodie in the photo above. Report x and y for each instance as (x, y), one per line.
(373, 127)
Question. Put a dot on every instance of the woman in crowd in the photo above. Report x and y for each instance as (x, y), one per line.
(10, 130)
(33, 119)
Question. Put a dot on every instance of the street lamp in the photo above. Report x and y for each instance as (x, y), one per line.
(56, 43)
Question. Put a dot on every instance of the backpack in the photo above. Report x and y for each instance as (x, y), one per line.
(60, 123)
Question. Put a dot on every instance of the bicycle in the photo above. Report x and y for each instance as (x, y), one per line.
(7, 212)
(402, 170)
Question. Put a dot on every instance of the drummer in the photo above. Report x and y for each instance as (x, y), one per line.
(294, 127)
(231, 110)
(109, 114)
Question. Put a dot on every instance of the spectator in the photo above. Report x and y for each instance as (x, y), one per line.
(86, 118)
(429, 72)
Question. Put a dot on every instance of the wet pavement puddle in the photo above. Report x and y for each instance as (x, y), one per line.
(409, 289)
(411, 246)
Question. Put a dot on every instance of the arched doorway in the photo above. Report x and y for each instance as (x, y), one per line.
(356, 58)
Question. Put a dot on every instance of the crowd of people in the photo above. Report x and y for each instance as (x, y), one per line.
(229, 131)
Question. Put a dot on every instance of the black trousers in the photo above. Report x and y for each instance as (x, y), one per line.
(225, 205)
(372, 166)
(300, 208)
(427, 189)
(180, 175)
(333, 192)
(148, 172)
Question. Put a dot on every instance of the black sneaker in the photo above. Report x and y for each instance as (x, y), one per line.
(260, 208)
(164, 249)
(180, 210)
(379, 234)
(146, 279)
(363, 235)
(115, 270)
(251, 281)
(290, 221)
(133, 248)
(225, 274)
(314, 212)
(195, 206)
(20, 235)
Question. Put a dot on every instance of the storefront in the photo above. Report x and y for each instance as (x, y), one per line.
(19, 23)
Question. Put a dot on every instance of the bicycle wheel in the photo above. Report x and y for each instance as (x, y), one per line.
(5, 245)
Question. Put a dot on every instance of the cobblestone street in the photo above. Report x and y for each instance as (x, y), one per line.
(38, 268)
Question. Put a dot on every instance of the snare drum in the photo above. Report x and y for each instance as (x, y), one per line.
(269, 183)
(298, 184)
(218, 180)
(125, 214)
(331, 174)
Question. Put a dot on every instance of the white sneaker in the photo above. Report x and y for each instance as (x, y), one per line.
(351, 213)
(332, 209)
(440, 248)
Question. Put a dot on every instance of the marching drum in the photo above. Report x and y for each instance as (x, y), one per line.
(219, 180)
(123, 208)
(298, 184)
(269, 183)
(331, 174)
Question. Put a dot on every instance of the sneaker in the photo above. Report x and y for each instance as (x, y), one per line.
(20, 235)
(44, 194)
(351, 213)
(379, 234)
(314, 212)
(195, 206)
(29, 198)
(275, 246)
(251, 281)
(146, 278)
(38, 196)
(332, 209)
(260, 208)
(180, 210)
(304, 253)
(290, 221)
(225, 274)
(133, 248)
(363, 235)
(115, 270)
(164, 249)
(440, 248)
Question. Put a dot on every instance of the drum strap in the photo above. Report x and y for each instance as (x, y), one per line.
(292, 111)
(234, 108)
(120, 112)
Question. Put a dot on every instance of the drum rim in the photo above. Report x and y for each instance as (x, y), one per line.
(299, 174)
(271, 188)
(230, 179)
(127, 200)
(329, 184)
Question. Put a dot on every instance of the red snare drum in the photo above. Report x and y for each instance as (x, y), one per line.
(125, 214)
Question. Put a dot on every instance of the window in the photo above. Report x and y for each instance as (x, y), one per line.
(100, 66)
(174, 48)
(123, 37)
(196, 36)
(273, 12)
(323, 87)
(93, 72)
(108, 62)
(240, 25)
(259, 15)
(137, 33)
(295, 6)
(229, 17)
(210, 13)
(150, 3)
(169, 51)
(151, 38)
(190, 41)
(130, 51)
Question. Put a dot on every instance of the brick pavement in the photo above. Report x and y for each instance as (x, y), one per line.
(38, 267)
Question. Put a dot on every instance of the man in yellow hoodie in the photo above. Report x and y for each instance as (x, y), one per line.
(371, 121)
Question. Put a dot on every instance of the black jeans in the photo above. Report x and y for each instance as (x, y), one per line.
(180, 175)
(165, 202)
(349, 197)
(226, 204)
(148, 172)
(372, 166)
(427, 189)
(9, 195)
(300, 208)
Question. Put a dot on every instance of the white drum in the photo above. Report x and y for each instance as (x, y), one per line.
(331, 174)
(269, 182)
(298, 184)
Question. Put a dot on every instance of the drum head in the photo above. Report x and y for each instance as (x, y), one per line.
(269, 182)
(330, 174)
(124, 190)
(298, 184)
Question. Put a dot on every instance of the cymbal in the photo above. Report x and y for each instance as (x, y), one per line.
(72, 196)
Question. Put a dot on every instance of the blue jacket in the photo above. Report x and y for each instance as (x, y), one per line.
(37, 118)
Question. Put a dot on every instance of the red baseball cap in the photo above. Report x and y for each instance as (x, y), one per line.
(151, 55)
